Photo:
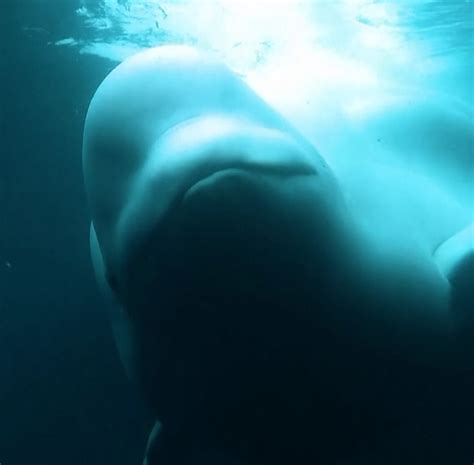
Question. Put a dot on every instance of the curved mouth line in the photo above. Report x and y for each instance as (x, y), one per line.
(246, 146)
(249, 169)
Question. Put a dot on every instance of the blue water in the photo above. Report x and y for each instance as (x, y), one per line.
(64, 398)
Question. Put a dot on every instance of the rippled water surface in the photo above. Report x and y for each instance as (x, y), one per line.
(419, 39)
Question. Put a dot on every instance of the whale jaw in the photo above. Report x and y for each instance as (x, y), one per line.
(225, 294)
(192, 153)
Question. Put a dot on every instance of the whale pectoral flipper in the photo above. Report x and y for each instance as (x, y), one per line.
(455, 260)
(168, 447)
(179, 448)
(98, 264)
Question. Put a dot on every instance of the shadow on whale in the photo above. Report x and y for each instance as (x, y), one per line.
(267, 316)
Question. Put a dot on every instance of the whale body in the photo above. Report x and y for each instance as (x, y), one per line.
(268, 316)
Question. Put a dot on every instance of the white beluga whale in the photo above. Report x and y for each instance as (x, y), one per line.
(269, 311)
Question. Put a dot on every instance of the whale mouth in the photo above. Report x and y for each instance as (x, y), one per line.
(199, 148)
(244, 171)
(194, 154)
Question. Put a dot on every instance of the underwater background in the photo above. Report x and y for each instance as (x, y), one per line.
(64, 396)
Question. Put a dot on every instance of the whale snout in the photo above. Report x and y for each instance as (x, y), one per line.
(200, 147)
(220, 155)
(212, 204)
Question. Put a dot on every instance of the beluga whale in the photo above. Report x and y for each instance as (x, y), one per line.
(267, 317)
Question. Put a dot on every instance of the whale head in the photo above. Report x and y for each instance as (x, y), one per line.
(222, 235)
